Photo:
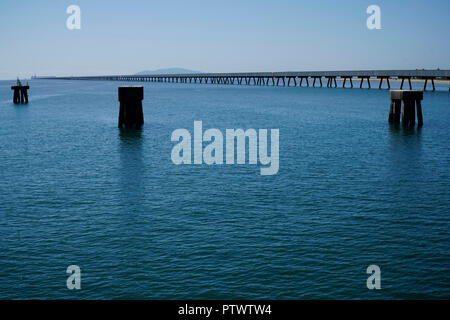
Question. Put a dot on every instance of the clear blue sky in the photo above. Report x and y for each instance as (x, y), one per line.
(123, 37)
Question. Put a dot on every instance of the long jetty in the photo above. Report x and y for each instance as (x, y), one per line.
(301, 79)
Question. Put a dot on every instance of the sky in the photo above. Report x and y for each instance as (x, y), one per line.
(125, 37)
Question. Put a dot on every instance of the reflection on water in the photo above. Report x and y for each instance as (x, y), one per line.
(405, 134)
(130, 136)
(132, 167)
(405, 152)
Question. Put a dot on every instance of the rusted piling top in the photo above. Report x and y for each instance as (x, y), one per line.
(406, 95)
(127, 93)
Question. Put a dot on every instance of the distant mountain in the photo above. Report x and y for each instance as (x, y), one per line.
(167, 71)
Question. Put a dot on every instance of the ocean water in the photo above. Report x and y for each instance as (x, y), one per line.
(351, 191)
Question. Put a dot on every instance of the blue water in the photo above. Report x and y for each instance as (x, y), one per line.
(351, 191)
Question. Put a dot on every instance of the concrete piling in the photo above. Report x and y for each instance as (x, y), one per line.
(410, 99)
(397, 111)
(408, 114)
(419, 113)
(391, 112)
(16, 98)
(130, 113)
(20, 94)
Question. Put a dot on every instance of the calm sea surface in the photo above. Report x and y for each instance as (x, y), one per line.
(351, 191)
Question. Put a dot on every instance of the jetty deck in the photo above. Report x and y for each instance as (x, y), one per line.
(290, 78)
